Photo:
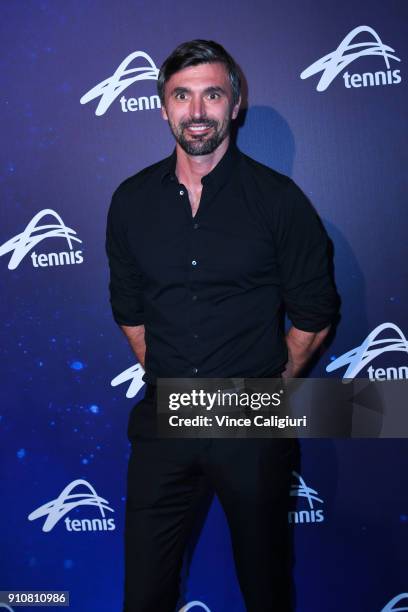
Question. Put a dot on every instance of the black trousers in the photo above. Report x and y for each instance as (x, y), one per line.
(168, 480)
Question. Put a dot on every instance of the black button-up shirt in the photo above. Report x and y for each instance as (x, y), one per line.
(209, 288)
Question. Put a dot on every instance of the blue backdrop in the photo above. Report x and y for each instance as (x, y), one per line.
(326, 96)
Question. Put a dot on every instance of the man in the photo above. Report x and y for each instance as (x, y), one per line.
(205, 247)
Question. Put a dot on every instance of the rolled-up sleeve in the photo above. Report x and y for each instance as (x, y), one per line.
(125, 285)
(307, 283)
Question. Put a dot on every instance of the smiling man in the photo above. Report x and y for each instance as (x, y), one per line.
(205, 249)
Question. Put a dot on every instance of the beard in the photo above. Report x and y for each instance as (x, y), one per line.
(201, 144)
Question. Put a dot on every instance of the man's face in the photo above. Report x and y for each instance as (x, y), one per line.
(199, 108)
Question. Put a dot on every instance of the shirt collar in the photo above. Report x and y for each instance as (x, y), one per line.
(218, 175)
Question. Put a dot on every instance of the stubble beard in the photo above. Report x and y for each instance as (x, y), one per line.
(201, 144)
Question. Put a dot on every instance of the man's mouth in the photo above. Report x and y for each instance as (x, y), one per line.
(198, 129)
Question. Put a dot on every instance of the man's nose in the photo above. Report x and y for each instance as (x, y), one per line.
(197, 107)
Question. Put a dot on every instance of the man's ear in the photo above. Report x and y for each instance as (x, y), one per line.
(235, 109)
(164, 113)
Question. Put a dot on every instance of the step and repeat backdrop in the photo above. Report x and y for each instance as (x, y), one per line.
(325, 104)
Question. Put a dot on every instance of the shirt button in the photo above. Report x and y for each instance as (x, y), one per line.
(195, 226)
(181, 192)
(194, 262)
(195, 336)
(195, 370)
(194, 298)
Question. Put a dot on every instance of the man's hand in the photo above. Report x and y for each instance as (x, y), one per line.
(136, 338)
(301, 346)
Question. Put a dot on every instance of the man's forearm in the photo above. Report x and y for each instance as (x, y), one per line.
(136, 338)
(301, 346)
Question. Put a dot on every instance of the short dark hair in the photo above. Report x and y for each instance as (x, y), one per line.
(196, 52)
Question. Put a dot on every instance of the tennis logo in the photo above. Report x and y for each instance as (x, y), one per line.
(133, 376)
(398, 599)
(195, 604)
(336, 61)
(311, 514)
(109, 89)
(33, 234)
(67, 501)
(371, 348)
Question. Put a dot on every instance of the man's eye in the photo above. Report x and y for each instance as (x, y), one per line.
(181, 96)
(213, 96)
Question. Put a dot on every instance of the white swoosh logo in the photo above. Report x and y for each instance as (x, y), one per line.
(109, 89)
(331, 64)
(59, 507)
(134, 375)
(21, 244)
(390, 605)
(302, 490)
(360, 357)
(194, 604)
